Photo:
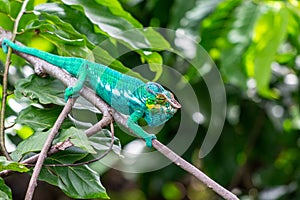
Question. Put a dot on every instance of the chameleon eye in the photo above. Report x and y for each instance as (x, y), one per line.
(160, 99)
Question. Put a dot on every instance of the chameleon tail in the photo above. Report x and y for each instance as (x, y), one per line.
(62, 62)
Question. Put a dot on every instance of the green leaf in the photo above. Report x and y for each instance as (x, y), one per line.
(265, 46)
(67, 39)
(5, 191)
(156, 40)
(68, 18)
(72, 17)
(155, 62)
(40, 119)
(4, 6)
(33, 144)
(11, 165)
(113, 20)
(77, 182)
(43, 90)
(78, 138)
(67, 156)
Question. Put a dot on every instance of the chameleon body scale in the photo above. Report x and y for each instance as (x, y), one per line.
(124, 93)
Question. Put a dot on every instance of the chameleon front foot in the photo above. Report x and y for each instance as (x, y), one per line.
(69, 92)
(149, 139)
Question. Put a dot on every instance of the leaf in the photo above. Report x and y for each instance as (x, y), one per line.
(40, 119)
(110, 17)
(78, 138)
(155, 62)
(77, 182)
(68, 18)
(68, 156)
(67, 39)
(5, 191)
(11, 165)
(156, 40)
(72, 17)
(32, 144)
(43, 90)
(112, 24)
(4, 6)
(265, 46)
(47, 91)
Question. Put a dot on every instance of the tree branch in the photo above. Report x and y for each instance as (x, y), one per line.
(121, 119)
(43, 154)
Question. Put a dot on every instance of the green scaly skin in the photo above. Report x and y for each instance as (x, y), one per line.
(124, 93)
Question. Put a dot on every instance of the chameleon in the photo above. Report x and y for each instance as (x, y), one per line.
(126, 94)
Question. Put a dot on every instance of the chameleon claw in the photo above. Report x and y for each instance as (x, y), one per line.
(149, 140)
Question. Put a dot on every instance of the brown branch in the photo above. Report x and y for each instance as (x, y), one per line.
(176, 159)
(121, 119)
(43, 154)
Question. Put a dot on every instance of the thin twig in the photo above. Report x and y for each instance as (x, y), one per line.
(66, 144)
(5, 82)
(43, 154)
(92, 160)
(176, 159)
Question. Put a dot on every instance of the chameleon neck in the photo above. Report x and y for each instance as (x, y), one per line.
(70, 64)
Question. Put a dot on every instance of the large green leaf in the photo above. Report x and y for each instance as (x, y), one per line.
(45, 91)
(107, 19)
(79, 182)
(72, 17)
(33, 144)
(67, 39)
(40, 119)
(111, 18)
(11, 165)
(78, 139)
(5, 191)
(62, 20)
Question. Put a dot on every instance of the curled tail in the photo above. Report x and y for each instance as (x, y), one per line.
(59, 61)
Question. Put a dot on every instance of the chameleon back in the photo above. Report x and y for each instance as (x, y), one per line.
(122, 92)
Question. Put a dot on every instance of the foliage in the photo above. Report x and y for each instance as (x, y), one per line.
(255, 45)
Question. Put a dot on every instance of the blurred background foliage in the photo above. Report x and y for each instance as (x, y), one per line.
(256, 47)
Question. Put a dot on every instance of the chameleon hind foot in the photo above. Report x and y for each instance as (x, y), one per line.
(149, 139)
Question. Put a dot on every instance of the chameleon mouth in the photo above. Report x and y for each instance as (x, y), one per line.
(172, 101)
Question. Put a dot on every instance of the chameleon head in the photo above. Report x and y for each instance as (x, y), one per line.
(161, 104)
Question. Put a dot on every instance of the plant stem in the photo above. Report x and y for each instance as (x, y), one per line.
(5, 83)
